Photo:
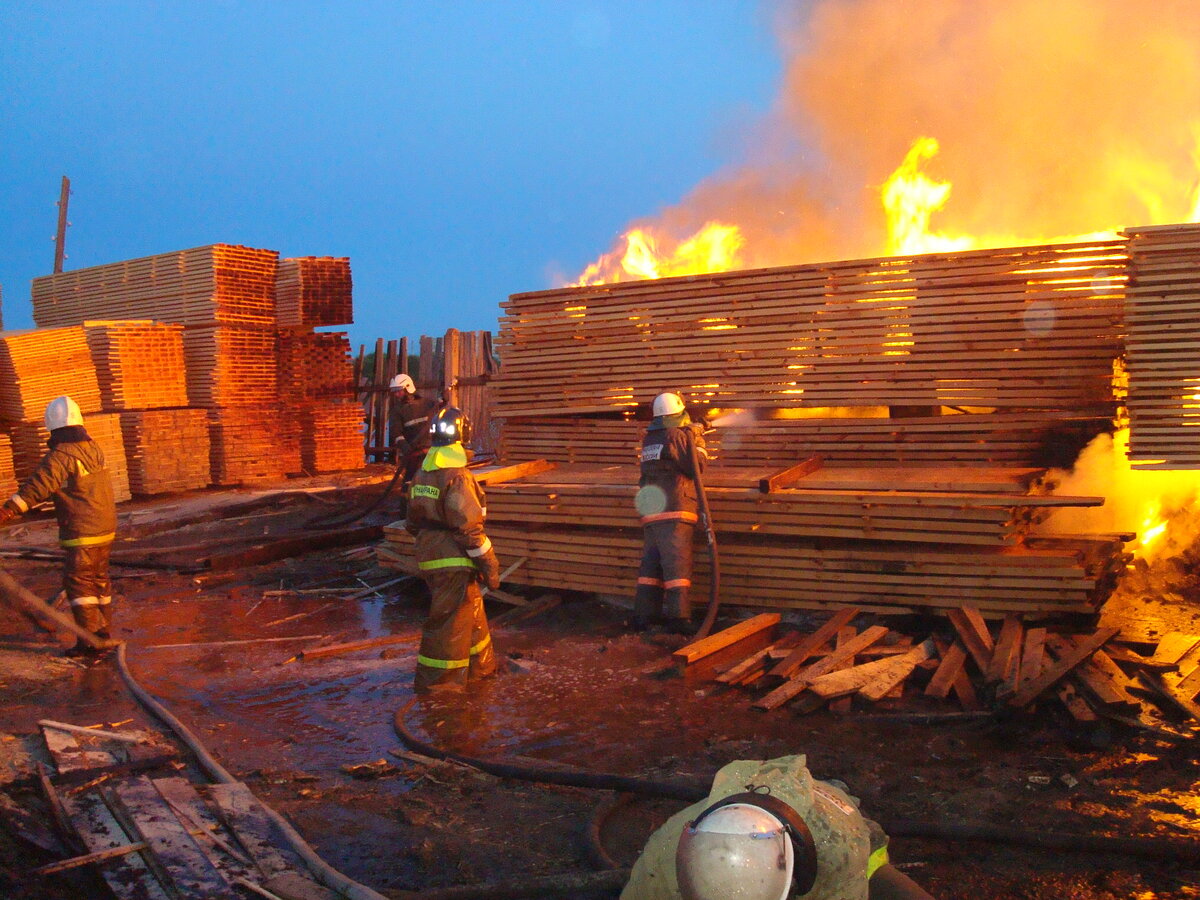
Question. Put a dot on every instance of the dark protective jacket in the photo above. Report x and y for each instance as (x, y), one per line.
(446, 509)
(410, 420)
(74, 474)
(667, 465)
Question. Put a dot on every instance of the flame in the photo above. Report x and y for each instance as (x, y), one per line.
(910, 198)
(714, 248)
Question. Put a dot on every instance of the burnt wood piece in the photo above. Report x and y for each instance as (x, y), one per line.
(1173, 647)
(129, 876)
(805, 677)
(1079, 650)
(1160, 689)
(974, 634)
(1075, 704)
(814, 642)
(1125, 655)
(789, 476)
(242, 813)
(287, 547)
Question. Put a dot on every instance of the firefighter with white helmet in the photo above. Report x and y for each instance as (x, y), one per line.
(672, 456)
(73, 473)
(769, 831)
(446, 509)
(409, 423)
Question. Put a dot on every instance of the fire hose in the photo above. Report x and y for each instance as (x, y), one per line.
(710, 535)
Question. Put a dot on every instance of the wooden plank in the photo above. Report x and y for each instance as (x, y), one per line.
(1006, 655)
(804, 677)
(1031, 658)
(1075, 704)
(790, 475)
(241, 812)
(88, 859)
(199, 819)
(727, 637)
(1077, 653)
(814, 642)
(69, 755)
(953, 660)
(872, 676)
(1154, 682)
(513, 472)
(128, 876)
(174, 850)
(844, 637)
(1173, 647)
(974, 634)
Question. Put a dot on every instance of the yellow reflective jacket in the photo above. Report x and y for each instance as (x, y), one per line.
(446, 510)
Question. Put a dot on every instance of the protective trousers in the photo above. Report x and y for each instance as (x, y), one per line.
(455, 642)
(85, 579)
(665, 574)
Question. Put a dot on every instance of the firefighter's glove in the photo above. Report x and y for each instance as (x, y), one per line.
(489, 569)
(8, 512)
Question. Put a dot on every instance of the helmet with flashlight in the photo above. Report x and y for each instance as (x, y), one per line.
(750, 846)
(450, 426)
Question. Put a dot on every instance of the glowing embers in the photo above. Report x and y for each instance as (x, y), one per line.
(716, 247)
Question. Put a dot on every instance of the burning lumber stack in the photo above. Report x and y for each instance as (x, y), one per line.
(29, 445)
(1161, 360)
(1018, 665)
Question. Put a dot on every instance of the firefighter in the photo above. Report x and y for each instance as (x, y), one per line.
(408, 424)
(74, 474)
(446, 509)
(666, 500)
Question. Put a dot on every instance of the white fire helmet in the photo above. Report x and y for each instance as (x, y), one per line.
(748, 846)
(667, 404)
(61, 412)
(404, 383)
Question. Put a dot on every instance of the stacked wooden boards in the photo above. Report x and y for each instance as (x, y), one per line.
(1163, 346)
(29, 445)
(167, 450)
(8, 474)
(139, 364)
(330, 436)
(313, 291)
(314, 365)
(253, 443)
(38, 365)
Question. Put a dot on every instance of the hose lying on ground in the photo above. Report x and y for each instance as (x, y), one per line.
(324, 522)
(321, 870)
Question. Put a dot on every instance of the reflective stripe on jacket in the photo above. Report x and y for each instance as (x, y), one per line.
(74, 474)
(446, 511)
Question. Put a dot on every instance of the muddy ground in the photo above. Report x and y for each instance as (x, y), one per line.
(315, 739)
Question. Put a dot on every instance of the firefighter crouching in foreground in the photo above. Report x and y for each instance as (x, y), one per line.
(74, 474)
(768, 830)
(446, 509)
(669, 509)
(409, 422)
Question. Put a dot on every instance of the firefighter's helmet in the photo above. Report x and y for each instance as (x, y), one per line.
(450, 426)
(751, 846)
(61, 412)
(667, 404)
(404, 383)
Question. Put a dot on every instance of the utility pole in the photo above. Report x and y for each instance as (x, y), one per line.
(60, 239)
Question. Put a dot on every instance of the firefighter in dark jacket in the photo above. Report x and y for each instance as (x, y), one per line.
(446, 509)
(74, 474)
(408, 424)
(669, 509)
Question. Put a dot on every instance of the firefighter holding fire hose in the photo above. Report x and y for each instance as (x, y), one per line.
(446, 509)
(669, 509)
(409, 423)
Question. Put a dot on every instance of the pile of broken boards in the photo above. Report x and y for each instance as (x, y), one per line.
(153, 836)
(985, 669)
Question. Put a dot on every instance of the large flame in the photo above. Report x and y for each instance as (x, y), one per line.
(1048, 122)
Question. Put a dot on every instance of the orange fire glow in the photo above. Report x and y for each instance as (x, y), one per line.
(714, 248)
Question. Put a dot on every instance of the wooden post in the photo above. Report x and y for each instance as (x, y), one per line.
(451, 352)
(60, 237)
(378, 424)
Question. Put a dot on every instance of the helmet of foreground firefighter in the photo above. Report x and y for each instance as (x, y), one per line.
(667, 403)
(750, 846)
(61, 412)
(402, 384)
(450, 426)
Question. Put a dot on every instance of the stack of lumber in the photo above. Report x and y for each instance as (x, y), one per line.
(331, 436)
(315, 366)
(8, 474)
(29, 445)
(219, 283)
(167, 450)
(1002, 438)
(1022, 328)
(1018, 665)
(252, 443)
(230, 366)
(312, 291)
(1163, 312)
(37, 366)
(139, 364)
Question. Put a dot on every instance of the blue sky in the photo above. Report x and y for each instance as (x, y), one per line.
(456, 152)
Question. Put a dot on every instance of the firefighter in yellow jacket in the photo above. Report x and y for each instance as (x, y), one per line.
(74, 474)
(446, 509)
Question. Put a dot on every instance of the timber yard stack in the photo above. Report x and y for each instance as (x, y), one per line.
(1164, 312)
(223, 296)
(140, 367)
(8, 475)
(925, 395)
(315, 374)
